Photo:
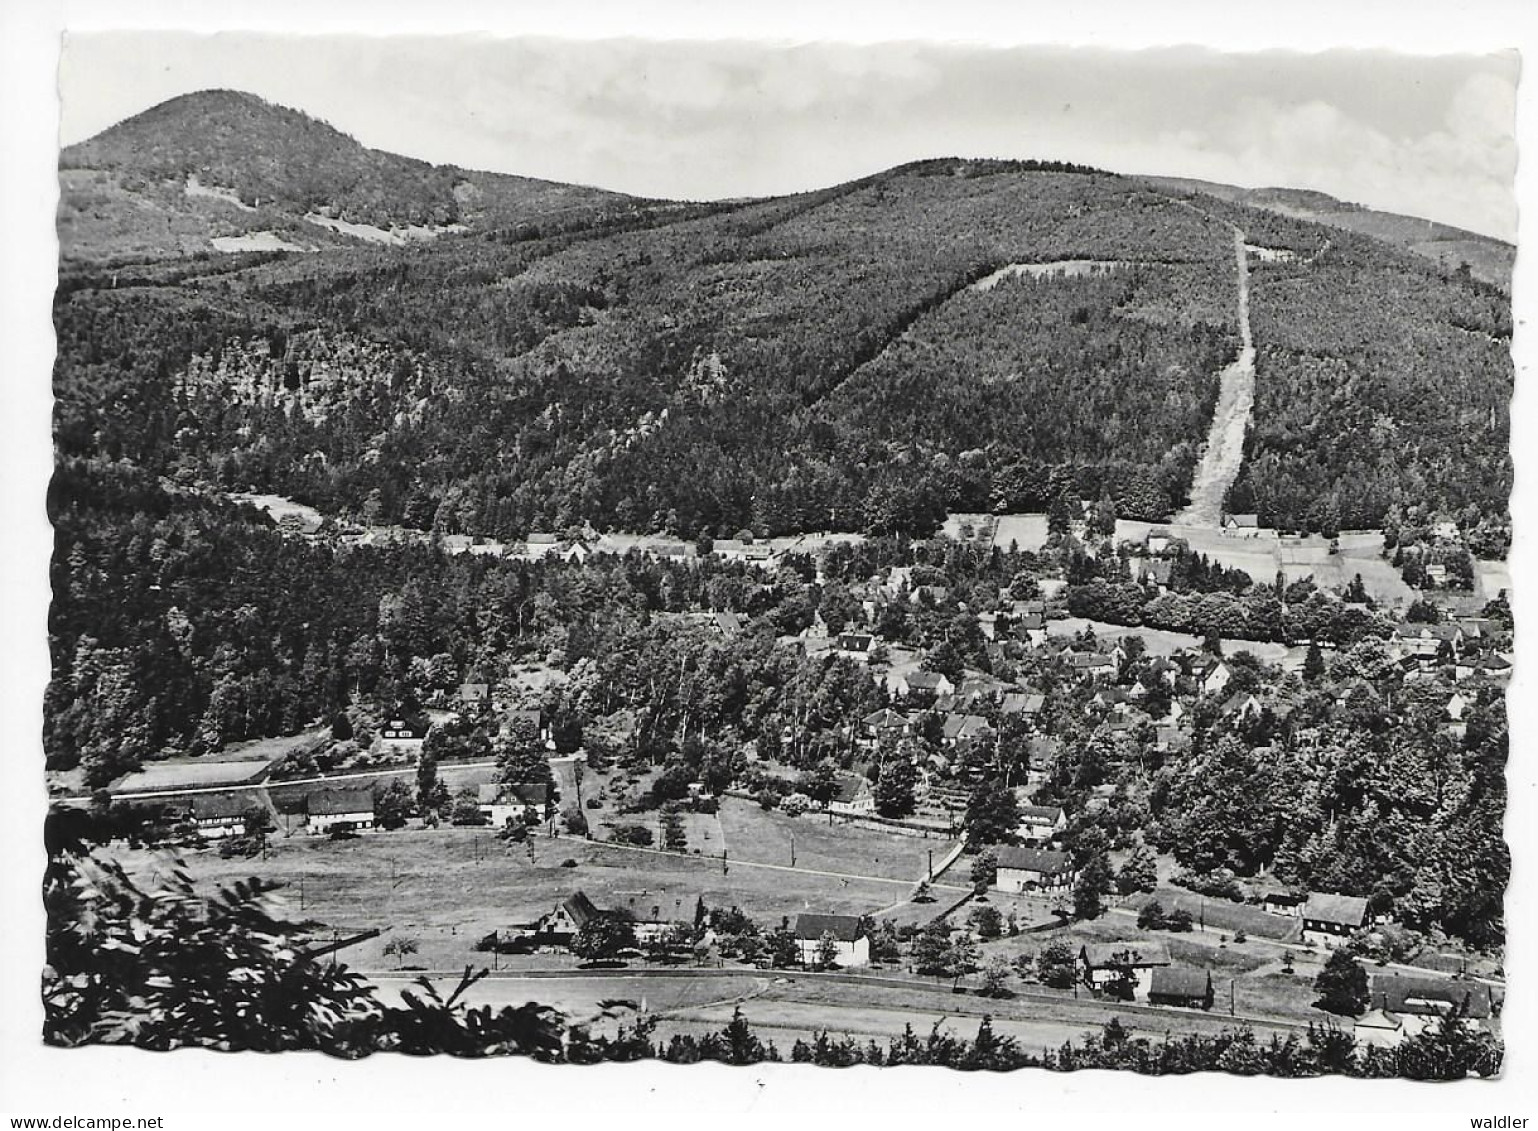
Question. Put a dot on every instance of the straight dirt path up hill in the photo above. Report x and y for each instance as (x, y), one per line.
(1224, 451)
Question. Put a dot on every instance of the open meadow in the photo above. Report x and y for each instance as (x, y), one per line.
(446, 888)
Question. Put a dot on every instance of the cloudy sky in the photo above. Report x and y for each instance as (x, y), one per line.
(1425, 136)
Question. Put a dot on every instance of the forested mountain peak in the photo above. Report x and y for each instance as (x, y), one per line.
(228, 171)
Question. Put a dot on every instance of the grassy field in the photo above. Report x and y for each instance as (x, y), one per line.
(446, 888)
(1026, 531)
(754, 834)
(1223, 914)
(233, 765)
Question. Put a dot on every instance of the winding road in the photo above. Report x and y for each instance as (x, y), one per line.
(1224, 450)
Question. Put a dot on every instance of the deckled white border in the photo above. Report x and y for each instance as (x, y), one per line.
(391, 1092)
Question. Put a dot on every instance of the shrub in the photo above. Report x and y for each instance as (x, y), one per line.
(639, 835)
(796, 804)
(1219, 884)
(1056, 965)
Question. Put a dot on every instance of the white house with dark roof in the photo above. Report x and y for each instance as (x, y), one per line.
(921, 684)
(327, 809)
(1096, 665)
(1330, 919)
(1033, 869)
(1213, 677)
(852, 797)
(506, 804)
(1103, 962)
(856, 646)
(1040, 823)
(851, 943)
(1241, 525)
(218, 815)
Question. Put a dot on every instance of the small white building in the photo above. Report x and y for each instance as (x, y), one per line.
(853, 947)
(853, 797)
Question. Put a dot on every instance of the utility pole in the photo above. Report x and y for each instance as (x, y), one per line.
(931, 865)
(1230, 997)
(792, 850)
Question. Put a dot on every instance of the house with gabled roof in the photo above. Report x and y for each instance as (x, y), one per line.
(1100, 963)
(1330, 919)
(852, 797)
(1241, 525)
(1357, 693)
(856, 646)
(961, 728)
(1040, 823)
(1026, 703)
(1116, 698)
(1420, 1002)
(846, 932)
(1426, 641)
(1033, 869)
(1183, 986)
(1041, 755)
(504, 804)
(1493, 668)
(1095, 665)
(219, 815)
(922, 684)
(1241, 706)
(560, 926)
(327, 809)
(885, 725)
(1213, 675)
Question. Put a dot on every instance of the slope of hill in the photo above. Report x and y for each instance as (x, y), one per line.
(822, 360)
(1488, 259)
(223, 170)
